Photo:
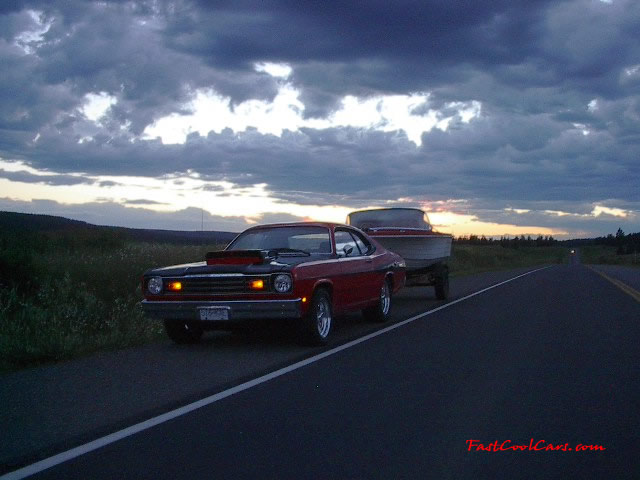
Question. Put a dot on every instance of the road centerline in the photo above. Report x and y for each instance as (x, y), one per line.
(632, 292)
(157, 420)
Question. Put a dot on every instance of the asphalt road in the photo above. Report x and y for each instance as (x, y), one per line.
(550, 356)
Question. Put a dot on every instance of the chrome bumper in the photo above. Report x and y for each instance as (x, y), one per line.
(238, 309)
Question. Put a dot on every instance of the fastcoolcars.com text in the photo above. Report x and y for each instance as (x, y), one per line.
(532, 446)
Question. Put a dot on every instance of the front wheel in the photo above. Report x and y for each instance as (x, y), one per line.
(319, 320)
(182, 332)
(380, 311)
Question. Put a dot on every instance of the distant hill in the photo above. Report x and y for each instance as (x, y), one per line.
(27, 222)
(32, 223)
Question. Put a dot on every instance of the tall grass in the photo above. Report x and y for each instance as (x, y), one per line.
(468, 259)
(72, 299)
(603, 254)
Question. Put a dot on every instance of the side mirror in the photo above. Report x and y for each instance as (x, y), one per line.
(347, 250)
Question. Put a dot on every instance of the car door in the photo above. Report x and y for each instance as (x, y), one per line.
(373, 276)
(356, 282)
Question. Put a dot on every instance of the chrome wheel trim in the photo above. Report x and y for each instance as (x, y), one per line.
(323, 318)
(385, 298)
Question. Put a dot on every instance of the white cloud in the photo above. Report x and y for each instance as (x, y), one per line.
(212, 112)
(558, 213)
(278, 70)
(597, 211)
(29, 40)
(583, 128)
(96, 105)
(616, 212)
(635, 70)
(386, 113)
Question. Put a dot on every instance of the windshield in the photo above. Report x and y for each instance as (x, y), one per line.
(314, 240)
(403, 218)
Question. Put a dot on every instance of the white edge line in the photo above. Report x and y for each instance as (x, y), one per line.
(165, 417)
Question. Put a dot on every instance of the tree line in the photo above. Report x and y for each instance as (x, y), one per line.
(624, 243)
(507, 242)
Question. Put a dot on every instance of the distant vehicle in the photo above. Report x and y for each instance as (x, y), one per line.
(572, 251)
(304, 271)
(408, 232)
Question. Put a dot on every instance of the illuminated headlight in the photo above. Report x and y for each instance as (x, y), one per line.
(155, 285)
(282, 283)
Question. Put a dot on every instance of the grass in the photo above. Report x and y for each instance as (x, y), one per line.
(602, 254)
(80, 299)
(65, 295)
(470, 259)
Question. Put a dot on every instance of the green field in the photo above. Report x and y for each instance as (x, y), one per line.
(469, 259)
(66, 294)
(602, 254)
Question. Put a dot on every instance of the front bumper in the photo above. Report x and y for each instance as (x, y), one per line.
(237, 309)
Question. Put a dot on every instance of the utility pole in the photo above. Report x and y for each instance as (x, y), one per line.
(202, 219)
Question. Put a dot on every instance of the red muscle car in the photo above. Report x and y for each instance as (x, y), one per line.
(304, 271)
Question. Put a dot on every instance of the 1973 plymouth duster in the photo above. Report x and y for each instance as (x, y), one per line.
(308, 272)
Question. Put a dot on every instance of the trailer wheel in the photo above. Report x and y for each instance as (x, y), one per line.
(442, 283)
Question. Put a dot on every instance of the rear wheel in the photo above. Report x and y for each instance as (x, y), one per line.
(442, 283)
(319, 320)
(380, 312)
(183, 332)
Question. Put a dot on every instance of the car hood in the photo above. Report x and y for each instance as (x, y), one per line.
(280, 264)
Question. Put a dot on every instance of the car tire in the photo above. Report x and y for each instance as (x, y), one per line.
(442, 284)
(182, 332)
(382, 309)
(318, 322)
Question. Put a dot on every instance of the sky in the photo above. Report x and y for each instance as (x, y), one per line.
(508, 117)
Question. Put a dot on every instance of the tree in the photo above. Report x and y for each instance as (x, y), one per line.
(620, 242)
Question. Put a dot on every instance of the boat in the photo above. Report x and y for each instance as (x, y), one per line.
(409, 233)
(405, 231)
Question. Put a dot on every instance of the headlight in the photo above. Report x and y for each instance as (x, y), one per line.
(155, 285)
(282, 283)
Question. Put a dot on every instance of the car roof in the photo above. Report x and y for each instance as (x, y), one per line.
(329, 225)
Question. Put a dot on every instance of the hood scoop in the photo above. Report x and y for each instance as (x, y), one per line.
(235, 257)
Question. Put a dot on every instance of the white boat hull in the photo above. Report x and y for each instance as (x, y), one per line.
(418, 251)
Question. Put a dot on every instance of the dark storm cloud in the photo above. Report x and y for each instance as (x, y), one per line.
(340, 48)
(108, 183)
(241, 32)
(142, 201)
(535, 67)
(26, 177)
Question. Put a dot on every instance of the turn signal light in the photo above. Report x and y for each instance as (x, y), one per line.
(175, 286)
(256, 284)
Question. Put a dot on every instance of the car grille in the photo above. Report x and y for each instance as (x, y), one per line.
(207, 284)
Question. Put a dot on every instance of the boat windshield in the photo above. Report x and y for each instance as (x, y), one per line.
(388, 218)
(313, 240)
